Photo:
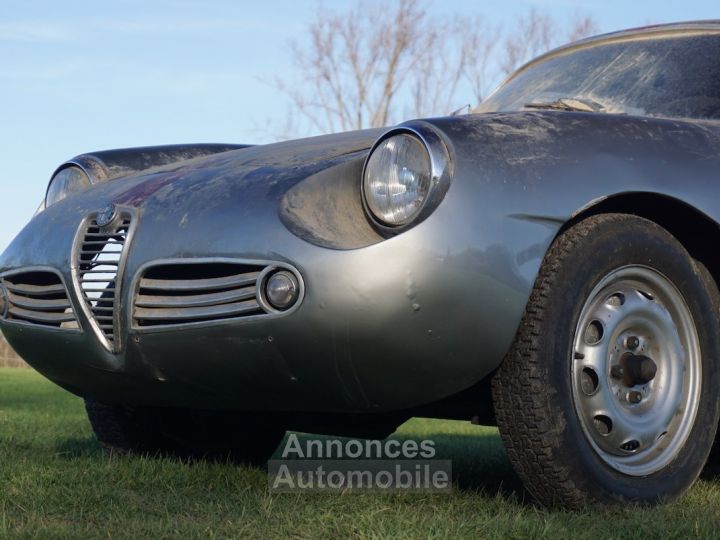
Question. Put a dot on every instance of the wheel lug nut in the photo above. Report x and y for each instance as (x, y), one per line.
(634, 396)
(616, 372)
(632, 343)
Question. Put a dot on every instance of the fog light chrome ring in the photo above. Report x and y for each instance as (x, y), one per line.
(280, 289)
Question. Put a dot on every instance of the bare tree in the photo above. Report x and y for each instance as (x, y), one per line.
(582, 27)
(478, 47)
(372, 65)
(537, 33)
(457, 68)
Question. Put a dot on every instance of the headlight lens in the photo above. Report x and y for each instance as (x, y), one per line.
(66, 181)
(397, 179)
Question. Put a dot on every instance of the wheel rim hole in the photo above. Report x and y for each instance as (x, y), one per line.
(603, 424)
(589, 381)
(662, 435)
(630, 446)
(616, 300)
(594, 332)
(647, 295)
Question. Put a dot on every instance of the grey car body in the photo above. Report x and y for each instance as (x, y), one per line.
(403, 322)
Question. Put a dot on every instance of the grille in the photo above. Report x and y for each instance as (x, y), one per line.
(172, 294)
(98, 273)
(39, 298)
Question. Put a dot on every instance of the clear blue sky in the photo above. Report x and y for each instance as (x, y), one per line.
(77, 76)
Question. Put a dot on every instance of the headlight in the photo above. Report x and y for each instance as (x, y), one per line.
(66, 181)
(405, 175)
(397, 179)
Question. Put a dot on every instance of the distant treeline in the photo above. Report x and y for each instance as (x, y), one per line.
(8, 357)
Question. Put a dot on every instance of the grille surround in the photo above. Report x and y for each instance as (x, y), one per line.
(202, 302)
(98, 262)
(38, 297)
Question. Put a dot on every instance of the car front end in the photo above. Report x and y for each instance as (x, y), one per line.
(256, 279)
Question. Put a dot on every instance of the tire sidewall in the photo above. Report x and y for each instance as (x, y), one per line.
(614, 244)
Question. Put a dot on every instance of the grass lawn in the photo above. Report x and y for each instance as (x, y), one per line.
(55, 482)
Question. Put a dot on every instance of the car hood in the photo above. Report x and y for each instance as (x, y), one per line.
(271, 169)
(198, 203)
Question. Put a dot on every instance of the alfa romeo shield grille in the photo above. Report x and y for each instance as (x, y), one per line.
(99, 259)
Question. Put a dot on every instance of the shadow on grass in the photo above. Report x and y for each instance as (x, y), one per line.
(479, 463)
(78, 448)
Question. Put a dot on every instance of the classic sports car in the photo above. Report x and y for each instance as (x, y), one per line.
(548, 263)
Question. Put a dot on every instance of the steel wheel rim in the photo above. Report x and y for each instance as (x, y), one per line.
(637, 421)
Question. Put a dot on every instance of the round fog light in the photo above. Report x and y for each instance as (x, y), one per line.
(282, 289)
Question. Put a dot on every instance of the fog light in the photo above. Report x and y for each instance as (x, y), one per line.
(282, 289)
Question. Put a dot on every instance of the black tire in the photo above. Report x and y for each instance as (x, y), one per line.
(193, 434)
(533, 389)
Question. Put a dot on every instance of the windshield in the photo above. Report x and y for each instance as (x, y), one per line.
(673, 76)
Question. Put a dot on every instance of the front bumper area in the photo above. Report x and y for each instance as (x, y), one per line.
(397, 324)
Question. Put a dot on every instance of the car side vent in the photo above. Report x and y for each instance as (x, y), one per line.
(186, 293)
(38, 298)
(99, 260)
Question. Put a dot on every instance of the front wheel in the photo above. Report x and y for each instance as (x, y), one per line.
(610, 392)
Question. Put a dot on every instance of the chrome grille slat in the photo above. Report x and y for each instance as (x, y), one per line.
(22, 288)
(100, 263)
(39, 304)
(195, 300)
(208, 284)
(39, 297)
(41, 316)
(100, 290)
(205, 312)
(92, 251)
(99, 255)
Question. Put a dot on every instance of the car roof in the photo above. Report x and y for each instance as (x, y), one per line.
(673, 30)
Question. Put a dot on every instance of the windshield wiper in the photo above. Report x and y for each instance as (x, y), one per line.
(568, 104)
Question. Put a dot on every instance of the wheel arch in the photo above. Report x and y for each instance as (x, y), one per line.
(695, 230)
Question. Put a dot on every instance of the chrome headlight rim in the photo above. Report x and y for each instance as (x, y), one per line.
(91, 167)
(440, 174)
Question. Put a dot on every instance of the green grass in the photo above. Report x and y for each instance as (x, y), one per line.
(55, 482)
